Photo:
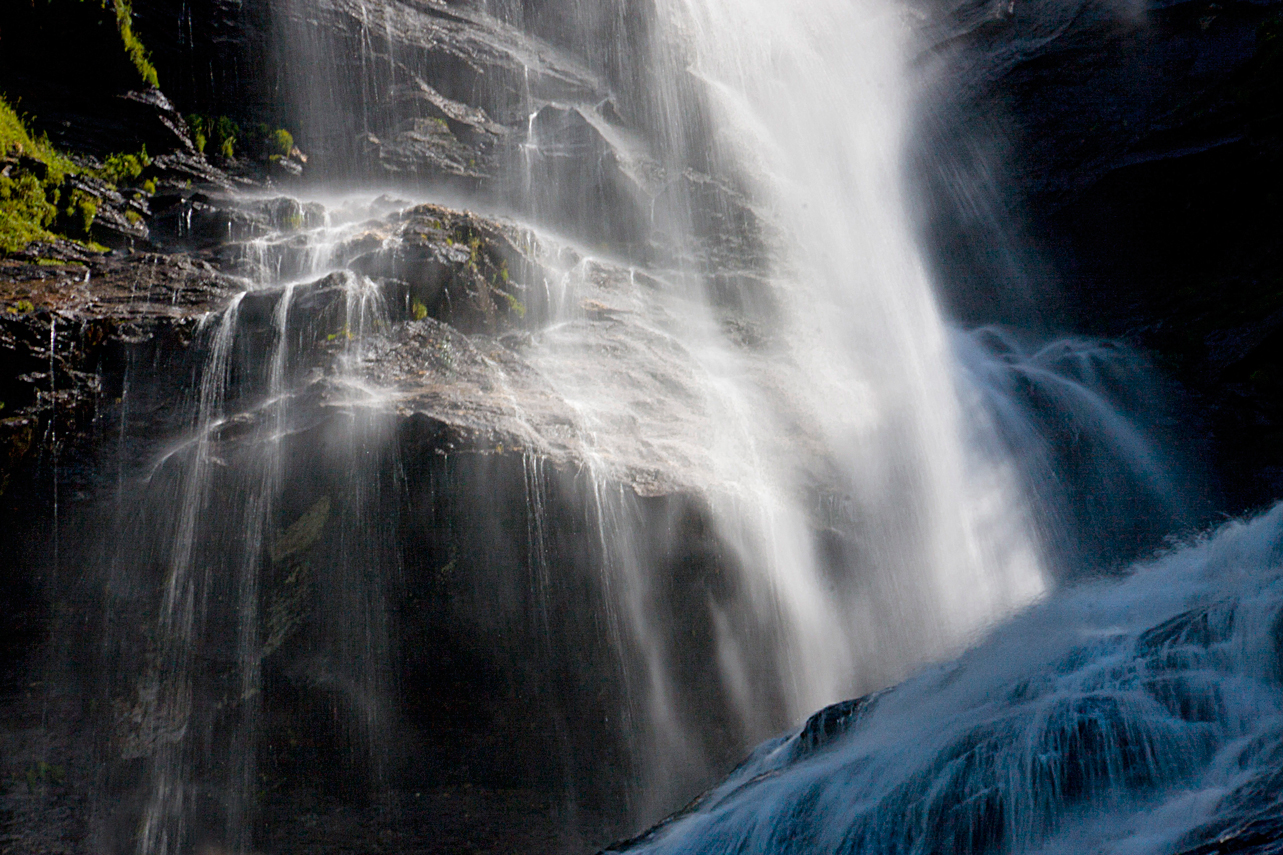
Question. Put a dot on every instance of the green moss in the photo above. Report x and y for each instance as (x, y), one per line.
(35, 202)
(514, 305)
(133, 47)
(124, 168)
(81, 211)
(27, 193)
(16, 140)
(25, 213)
(225, 133)
(263, 143)
(196, 123)
(218, 132)
(282, 142)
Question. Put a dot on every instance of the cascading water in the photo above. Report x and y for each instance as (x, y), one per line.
(1128, 716)
(211, 523)
(754, 470)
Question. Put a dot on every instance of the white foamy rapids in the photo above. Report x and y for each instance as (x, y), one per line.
(1116, 717)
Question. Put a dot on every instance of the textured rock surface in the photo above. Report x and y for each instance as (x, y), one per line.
(68, 316)
(481, 441)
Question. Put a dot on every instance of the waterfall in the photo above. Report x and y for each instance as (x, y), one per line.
(812, 107)
(726, 462)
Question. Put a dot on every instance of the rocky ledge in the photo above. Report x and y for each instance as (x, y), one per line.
(67, 317)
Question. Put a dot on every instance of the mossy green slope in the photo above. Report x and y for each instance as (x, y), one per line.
(31, 171)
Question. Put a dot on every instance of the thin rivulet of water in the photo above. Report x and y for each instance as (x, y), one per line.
(206, 517)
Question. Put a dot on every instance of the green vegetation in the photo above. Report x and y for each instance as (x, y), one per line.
(214, 134)
(133, 47)
(82, 210)
(15, 139)
(515, 305)
(197, 127)
(36, 201)
(25, 213)
(223, 136)
(32, 171)
(122, 168)
(44, 773)
(282, 142)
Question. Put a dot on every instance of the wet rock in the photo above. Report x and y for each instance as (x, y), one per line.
(462, 269)
(219, 223)
(831, 722)
(1257, 835)
(578, 172)
(1143, 150)
(1202, 627)
(118, 221)
(424, 146)
(181, 169)
(1091, 89)
(426, 61)
(63, 312)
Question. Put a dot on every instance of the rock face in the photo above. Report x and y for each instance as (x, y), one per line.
(69, 318)
(75, 328)
(438, 94)
(479, 460)
(67, 68)
(460, 100)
